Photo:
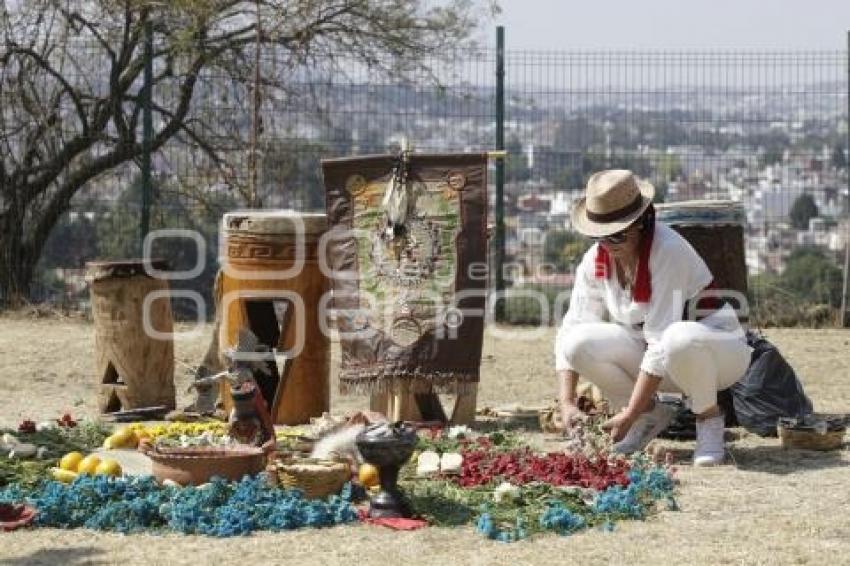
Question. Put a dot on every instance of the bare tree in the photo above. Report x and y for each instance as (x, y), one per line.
(71, 84)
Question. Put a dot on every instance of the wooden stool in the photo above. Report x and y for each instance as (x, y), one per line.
(134, 368)
(403, 405)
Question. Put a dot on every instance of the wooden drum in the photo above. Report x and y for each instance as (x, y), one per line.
(134, 362)
(260, 275)
(715, 228)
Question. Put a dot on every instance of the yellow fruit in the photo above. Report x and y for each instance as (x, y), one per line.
(108, 467)
(109, 443)
(124, 438)
(70, 461)
(65, 476)
(368, 475)
(88, 465)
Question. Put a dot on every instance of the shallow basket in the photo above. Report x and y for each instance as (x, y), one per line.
(316, 478)
(809, 439)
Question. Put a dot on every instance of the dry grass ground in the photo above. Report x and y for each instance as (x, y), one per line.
(770, 507)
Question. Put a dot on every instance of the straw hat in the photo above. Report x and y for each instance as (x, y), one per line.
(613, 200)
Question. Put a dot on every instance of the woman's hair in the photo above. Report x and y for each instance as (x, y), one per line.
(647, 220)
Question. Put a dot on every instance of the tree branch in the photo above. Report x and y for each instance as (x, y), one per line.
(199, 139)
(66, 86)
(77, 17)
(122, 152)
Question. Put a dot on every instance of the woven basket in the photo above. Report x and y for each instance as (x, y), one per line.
(810, 440)
(316, 478)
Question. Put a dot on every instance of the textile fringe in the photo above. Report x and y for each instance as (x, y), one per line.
(385, 380)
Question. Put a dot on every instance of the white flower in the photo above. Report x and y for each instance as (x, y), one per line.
(505, 492)
(459, 431)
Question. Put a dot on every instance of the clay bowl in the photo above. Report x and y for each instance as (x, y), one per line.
(196, 465)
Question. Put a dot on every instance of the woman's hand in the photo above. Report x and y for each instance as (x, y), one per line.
(618, 425)
(571, 415)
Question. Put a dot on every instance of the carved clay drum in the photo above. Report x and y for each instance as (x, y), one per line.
(715, 228)
(272, 283)
(134, 348)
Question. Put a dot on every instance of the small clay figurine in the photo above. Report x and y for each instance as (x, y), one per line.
(250, 422)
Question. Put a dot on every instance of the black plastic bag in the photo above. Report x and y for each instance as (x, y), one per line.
(683, 426)
(769, 390)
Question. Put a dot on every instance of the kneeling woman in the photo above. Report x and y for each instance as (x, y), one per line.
(628, 329)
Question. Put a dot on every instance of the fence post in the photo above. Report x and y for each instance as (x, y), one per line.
(499, 259)
(843, 313)
(147, 134)
(255, 113)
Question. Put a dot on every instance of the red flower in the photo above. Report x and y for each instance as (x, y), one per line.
(26, 426)
(521, 466)
(66, 421)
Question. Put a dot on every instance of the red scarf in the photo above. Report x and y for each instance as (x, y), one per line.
(642, 291)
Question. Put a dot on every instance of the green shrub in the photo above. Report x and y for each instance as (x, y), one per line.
(523, 309)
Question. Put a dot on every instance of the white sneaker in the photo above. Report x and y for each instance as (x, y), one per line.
(710, 449)
(645, 428)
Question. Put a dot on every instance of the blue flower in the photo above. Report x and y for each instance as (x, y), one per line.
(617, 500)
(218, 509)
(561, 520)
(488, 528)
(12, 494)
(485, 526)
(646, 485)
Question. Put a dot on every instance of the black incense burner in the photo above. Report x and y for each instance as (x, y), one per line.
(387, 447)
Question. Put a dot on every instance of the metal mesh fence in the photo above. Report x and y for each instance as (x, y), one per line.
(764, 128)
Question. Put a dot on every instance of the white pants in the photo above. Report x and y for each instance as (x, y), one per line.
(700, 361)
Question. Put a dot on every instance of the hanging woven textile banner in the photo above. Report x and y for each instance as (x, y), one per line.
(406, 254)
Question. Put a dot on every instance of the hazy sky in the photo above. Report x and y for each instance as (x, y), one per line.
(675, 24)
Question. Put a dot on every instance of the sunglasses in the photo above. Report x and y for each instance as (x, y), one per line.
(616, 238)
